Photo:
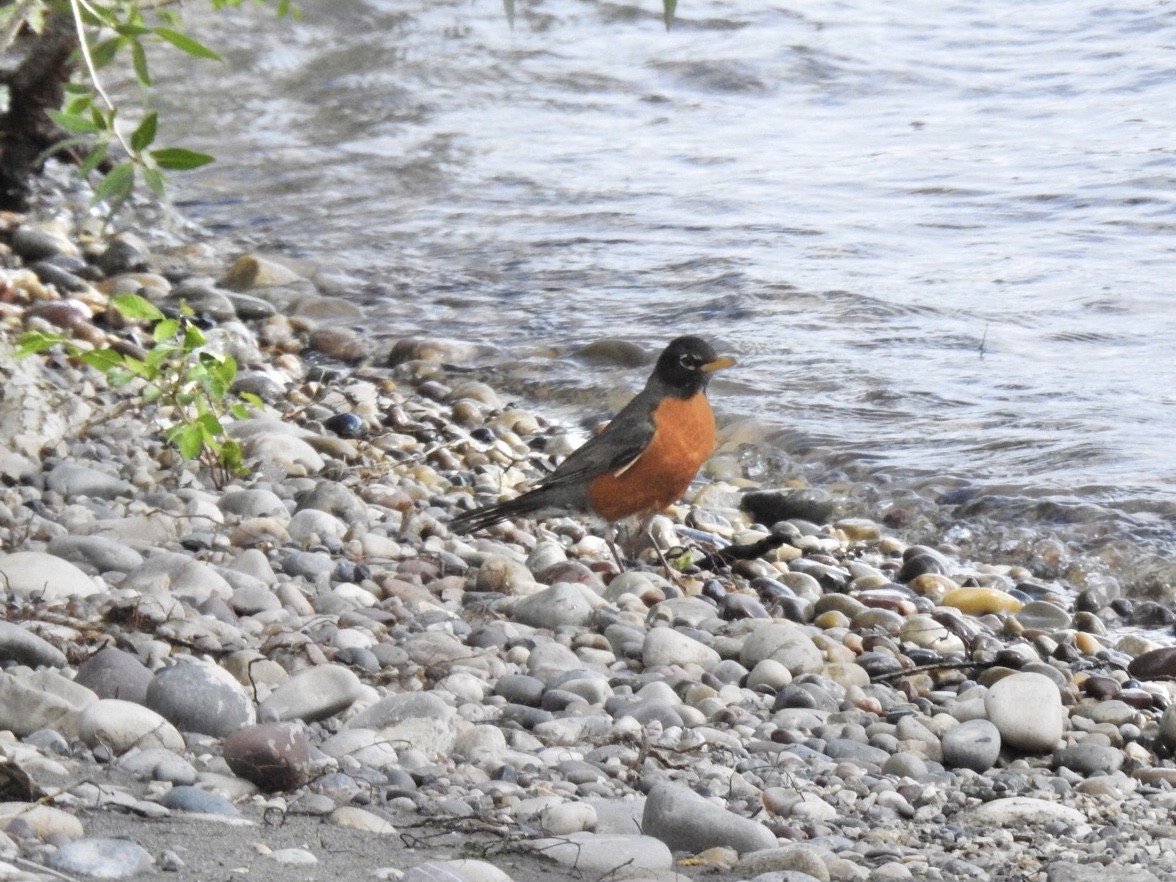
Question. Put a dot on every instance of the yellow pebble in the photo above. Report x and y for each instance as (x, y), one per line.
(934, 586)
(981, 601)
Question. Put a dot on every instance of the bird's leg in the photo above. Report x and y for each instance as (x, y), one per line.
(672, 574)
(610, 538)
(661, 555)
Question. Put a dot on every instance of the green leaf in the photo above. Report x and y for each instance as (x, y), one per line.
(135, 306)
(104, 360)
(103, 53)
(219, 373)
(154, 179)
(190, 441)
(193, 337)
(226, 371)
(166, 330)
(160, 353)
(668, 9)
(180, 159)
(139, 58)
(72, 122)
(230, 455)
(36, 341)
(138, 368)
(132, 30)
(210, 425)
(144, 134)
(187, 44)
(99, 15)
(92, 160)
(117, 184)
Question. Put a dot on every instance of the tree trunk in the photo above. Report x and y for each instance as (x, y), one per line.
(35, 86)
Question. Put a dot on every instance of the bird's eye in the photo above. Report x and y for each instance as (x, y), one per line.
(689, 361)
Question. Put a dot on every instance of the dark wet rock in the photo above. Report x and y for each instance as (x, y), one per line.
(274, 756)
(345, 425)
(919, 565)
(622, 353)
(770, 506)
(35, 243)
(340, 343)
(1102, 688)
(1157, 664)
(1150, 614)
(61, 279)
(125, 254)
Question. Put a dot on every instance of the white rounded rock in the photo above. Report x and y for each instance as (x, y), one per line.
(1026, 709)
(785, 643)
(568, 817)
(455, 871)
(35, 574)
(1021, 811)
(365, 746)
(121, 725)
(665, 646)
(312, 694)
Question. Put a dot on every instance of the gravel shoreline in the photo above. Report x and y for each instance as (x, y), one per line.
(302, 674)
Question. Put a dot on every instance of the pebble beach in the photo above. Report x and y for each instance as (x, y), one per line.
(300, 673)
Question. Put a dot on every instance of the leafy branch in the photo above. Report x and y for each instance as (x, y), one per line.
(180, 374)
(89, 120)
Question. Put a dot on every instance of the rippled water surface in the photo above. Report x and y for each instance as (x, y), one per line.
(939, 236)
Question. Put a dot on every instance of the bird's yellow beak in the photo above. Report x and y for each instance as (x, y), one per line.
(723, 361)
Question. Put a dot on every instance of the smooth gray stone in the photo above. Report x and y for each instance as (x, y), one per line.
(972, 745)
(255, 503)
(313, 694)
(685, 821)
(113, 673)
(26, 648)
(1089, 759)
(848, 749)
(520, 689)
(561, 604)
(193, 799)
(334, 499)
(200, 697)
(95, 554)
(73, 479)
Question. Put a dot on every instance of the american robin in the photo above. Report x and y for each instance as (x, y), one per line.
(642, 461)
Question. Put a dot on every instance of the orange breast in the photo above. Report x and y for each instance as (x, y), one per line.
(683, 439)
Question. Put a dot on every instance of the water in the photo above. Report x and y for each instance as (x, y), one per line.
(938, 236)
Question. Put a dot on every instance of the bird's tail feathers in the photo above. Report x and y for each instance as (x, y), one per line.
(488, 515)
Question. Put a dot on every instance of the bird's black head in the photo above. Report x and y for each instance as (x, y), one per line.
(686, 365)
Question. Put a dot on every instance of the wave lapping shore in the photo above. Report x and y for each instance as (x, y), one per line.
(303, 673)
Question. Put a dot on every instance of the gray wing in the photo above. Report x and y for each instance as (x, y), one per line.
(621, 442)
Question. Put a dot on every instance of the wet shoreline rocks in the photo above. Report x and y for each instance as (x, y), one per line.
(310, 645)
